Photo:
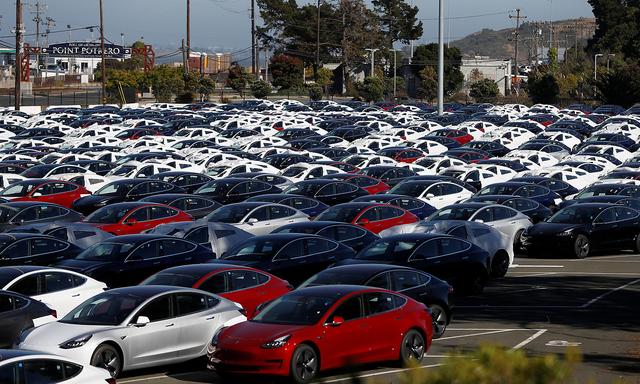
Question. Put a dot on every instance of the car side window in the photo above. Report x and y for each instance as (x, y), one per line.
(380, 281)
(606, 216)
(156, 187)
(371, 214)
(403, 280)
(407, 204)
(260, 214)
(139, 190)
(449, 246)
(145, 251)
(343, 188)
(378, 302)
(142, 214)
(215, 284)
(17, 250)
(315, 245)
(158, 309)
(459, 231)
(28, 286)
(240, 279)
(239, 189)
(59, 233)
(426, 250)
(502, 213)
(173, 247)
(299, 203)
(200, 235)
(187, 303)
(29, 214)
(294, 249)
(623, 213)
(351, 309)
(158, 213)
(42, 246)
(82, 234)
(343, 233)
(485, 215)
(450, 189)
(43, 371)
(327, 190)
(258, 186)
(56, 281)
(279, 212)
(9, 373)
(388, 213)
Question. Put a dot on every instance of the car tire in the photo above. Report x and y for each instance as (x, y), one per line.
(305, 363)
(440, 320)
(499, 265)
(412, 349)
(107, 357)
(637, 244)
(517, 243)
(581, 247)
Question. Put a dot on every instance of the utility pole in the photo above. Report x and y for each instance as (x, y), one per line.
(317, 64)
(18, 66)
(517, 33)
(266, 64)
(595, 65)
(102, 54)
(184, 58)
(395, 72)
(188, 35)
(373, 51)
(39, 8)
(441, 58)
(254, 48)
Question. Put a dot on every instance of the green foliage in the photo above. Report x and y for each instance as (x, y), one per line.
(286, 71)
(428, 89)
(485, 90)
(618, 28)
(185, 98)
(495, 365)
(238, 77)
(325, 77)
(166, 81)
(371, 89)
(206, 86)
(621, 85)
(543, 87)
(260, 89)
(552, 55)
(315, 93)
(398, 20)
(400, 86)
(427, 56)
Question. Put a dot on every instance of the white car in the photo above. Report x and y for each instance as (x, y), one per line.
(60, 289)
(15, 365)
(257, 218)
(304, 171)
(436, 193)
(136, 327)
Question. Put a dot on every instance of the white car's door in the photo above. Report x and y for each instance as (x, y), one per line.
(196, 322)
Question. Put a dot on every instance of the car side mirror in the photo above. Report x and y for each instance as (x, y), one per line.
(430, 195)
(252, 221)
(141, 321)
(37, 194)
(479, 221)
(337, 321)
(363, 221)
(131, 222)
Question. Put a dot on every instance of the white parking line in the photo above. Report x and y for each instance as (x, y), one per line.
(530, 339)
(592, 301)
(382, 373)
(538, 274)
(535, 266)
(476, 334)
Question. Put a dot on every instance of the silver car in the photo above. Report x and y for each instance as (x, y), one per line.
(136, 327)
(257, 218)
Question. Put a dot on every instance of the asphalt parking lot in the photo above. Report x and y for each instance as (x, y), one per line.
(542, 306)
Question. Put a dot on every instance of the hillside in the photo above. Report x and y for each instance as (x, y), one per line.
(499, 44)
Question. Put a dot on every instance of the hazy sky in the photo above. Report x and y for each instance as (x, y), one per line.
(223, 25)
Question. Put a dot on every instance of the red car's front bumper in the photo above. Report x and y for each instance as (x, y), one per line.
(242, 360)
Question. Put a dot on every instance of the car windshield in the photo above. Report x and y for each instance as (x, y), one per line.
(123, 170)
(108, 308)
(413, 189)
(229, 214)
(387, 250)
(172, 279)
(600, 190)
(18, 189)
(335, 276)
(576, 215)
(114, 189)
(255, 250)
(106, 252)
(6, 213)
(293, 171)
(454, 213)
(107, 215)
(341, 214)
(216, 171)
(295, 309)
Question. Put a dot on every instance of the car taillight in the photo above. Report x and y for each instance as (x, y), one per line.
(111, 381)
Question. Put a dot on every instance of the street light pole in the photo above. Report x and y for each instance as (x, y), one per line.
(395, 71)
(441, 58)
(595, 65)
(373, 51)
(609, 56)
(18, 66)
(103, 58)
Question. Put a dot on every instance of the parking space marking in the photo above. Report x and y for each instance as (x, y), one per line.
(476, 334)
(529, 339)
(535, 266)
(594, 300)
(537, 274)
(382, 373)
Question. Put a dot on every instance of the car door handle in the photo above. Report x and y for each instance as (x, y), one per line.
(210, 318)
(188, 258)
(169, 325)
(513, 222)
(76, 295)
(157, 263)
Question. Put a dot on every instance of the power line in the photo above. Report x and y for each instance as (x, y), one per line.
(466, 17)
(58, 31)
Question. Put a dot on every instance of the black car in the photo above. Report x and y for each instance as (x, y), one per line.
(416, 206)
(283, 160)
(235, 190)
(466, 266)
(19, 213)
(491, 147)
(121, 191)
(628, 190)
(560, 187)
(536, 211)
(353, 236)
(17, 313)
(36, 249)
(197, 206)
(542, 195)
(189, 181)
(583, 228)
(99, 167)
(390, 175)
(127, 260)
(631, 202)
(291, 256)
(330, 192)
(420, 286)
(306, 205)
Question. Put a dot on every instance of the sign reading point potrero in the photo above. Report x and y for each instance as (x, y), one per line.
(82, 49)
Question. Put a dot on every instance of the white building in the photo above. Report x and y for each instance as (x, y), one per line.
(496, 70)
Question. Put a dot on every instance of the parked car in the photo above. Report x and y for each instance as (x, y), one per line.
(353, 236)
(19, 313)
(58, 192)
(194, 205)
(236, 190)
(371, 216)
(34, 249)
(18, 214)
(330, 192)
(131, 218)
(256, 218)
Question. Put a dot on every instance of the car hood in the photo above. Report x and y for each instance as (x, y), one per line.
(81, 265)
(92, 200)
(55, 333)
(545, 229)
(253, 332)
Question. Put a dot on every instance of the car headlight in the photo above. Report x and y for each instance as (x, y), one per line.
(75, 343)
(566, 233)
(277, 343)
(216, 336)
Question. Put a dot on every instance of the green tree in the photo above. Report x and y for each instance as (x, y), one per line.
(286, 71)
(315, 93)
(428, 89)
(485, 90)
(552, 55)
(398, 20)
(400, 86)
(621, 85)
(206, 86)
(260, 89)
(238, 78)
(543, 87)
(427, 56)
(618, 27)
(165, 82)
(325, 79)
(371, 89)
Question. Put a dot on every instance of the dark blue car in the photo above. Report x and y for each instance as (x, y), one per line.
(411, 204)
(307, 205)
(353, 236)
(539, 193)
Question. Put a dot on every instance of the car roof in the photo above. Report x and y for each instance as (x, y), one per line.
(332, 290)
(367, 270)
(7, 354)
(199, 270)
(145, 291)
(26, 204)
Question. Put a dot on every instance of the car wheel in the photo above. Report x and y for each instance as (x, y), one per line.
(637, 247)
(304, 364)
(412, 348)
(581, 247)
(499, 264)
(517, 243)
(440, 320)
(107, 357)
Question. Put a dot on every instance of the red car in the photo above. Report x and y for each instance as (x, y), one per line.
(321, 328)
(47, 191)
(135, 217)
(402, 154)
(246, 286)
(374, 217)
(370, 184)
(461, 137)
